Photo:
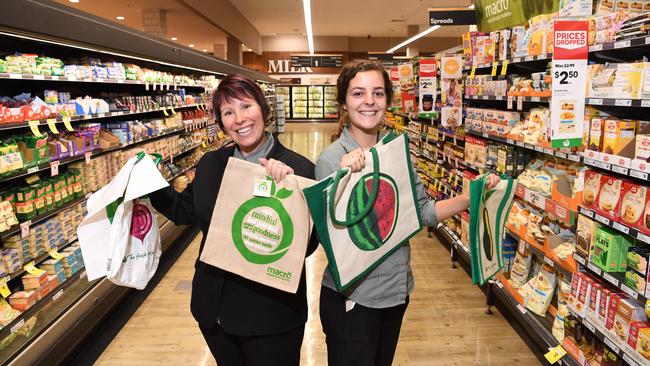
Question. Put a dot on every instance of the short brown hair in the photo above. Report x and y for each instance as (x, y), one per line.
(237, 86)
(348, 72)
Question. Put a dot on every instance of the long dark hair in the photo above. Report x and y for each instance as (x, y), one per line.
(348, 72)
(236, 86)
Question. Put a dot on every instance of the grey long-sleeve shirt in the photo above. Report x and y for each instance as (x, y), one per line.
(390, 282)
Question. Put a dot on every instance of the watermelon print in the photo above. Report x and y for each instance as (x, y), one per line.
(375, 229)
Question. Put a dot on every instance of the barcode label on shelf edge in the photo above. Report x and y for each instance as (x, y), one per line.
(32, 170)
(602, 219)
(560, 155)
(645, 103)
(593, 101)
(638, 174)
(622, 228)
(622, 44)
(574, 157)
(595, 268)
(611, 344)
(521, 309)
(629, 291)
(579, 259)
(619, 169)
(597, 47)
(611, 279)
(623, 102)
(17, 326)
(57, 295)
(629, 360)
(498, 283)
(589, 326)
(644, 238)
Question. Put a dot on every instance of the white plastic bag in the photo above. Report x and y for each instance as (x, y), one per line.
(119, 237)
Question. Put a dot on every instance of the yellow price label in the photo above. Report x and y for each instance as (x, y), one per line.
(32, 270)
(204, 144)
(4, 289)
(495, 65)
(66, 123)
(198, 107)
(165, 112)
(504, 68)
(472, 73)
(33, 125)
(56, 255)
(456, 181)
(555, 354)
(172, 109)
(220, 135)
(51, 122)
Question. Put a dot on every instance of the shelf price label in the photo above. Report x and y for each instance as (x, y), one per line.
(51, 123)
(555, 354)
(495, 66)
(33, 270)
(24, 229)
(504, 68)
(569, 79)
(164, 110)
(66, 123)
(33, 125)
(4, 289)
(56, 255)
(54, 168)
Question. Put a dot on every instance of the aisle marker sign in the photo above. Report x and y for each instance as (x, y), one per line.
(569, 80)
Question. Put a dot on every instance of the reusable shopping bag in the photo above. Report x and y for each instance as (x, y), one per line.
(119, 237)
(259, 229)
(363, 217)
(488, 211)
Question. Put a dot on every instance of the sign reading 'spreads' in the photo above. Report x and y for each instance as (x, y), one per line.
(569, 82)
(500, 14)
(259, 229)
(451, 16)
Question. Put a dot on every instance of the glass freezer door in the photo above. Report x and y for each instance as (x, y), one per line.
(316, 101)
(331, 106)
(299, 102)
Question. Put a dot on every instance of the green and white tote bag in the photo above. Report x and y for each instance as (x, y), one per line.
(259, 229)
(488, 212)
(363, 217)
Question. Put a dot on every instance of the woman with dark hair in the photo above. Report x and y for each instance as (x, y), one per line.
(243, 322)
(362, 324)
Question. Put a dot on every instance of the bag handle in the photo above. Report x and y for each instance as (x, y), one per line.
(141, 154)
(373, 194)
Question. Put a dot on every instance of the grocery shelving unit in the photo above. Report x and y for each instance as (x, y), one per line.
(309, 103)
(62, 319)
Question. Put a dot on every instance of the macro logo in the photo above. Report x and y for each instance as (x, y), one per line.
(497, 8)
(276, 273)
(261, 229)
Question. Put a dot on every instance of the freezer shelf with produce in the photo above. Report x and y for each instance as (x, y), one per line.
(315, 101)
(331, 106)
(299, 101)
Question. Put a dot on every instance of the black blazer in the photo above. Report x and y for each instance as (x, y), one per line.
(241, 306)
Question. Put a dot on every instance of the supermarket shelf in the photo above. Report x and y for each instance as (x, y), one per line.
(533, 323)
(153, 85)
(87, 117)
(454, 241)
(514, 98)
(182, 152)
(615, 225)
(181, 172)
(632, 358)
(16, 228)
(531, 147)
(94, 153)
(636, 103)
(38, 260)
(540, 253)
(634, 42)
(54, 295)
(537, 200)
(643, 176)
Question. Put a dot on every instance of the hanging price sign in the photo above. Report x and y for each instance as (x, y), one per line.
(569, 82)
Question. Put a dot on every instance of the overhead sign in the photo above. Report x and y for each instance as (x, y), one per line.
(570, 53)
(284, 67)
(493, 15)
(316, 60)
(451, 16)
(386, 59)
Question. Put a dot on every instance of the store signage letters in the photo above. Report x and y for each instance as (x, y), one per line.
(451, 16)
(284, 67)
(493, 15)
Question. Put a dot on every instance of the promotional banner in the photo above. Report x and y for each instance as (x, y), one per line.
(569, 80)
(397, 95)
(575, 8)
(407, 86)
(428, 87)
(451, 16)
(451, 67)
(493, 15)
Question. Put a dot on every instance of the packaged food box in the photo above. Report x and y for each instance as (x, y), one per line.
(633, 210)
(582, 301)
(643, 342)
(609, 250)
(34, 282)
(52, 266)
(627, 84)
(635, 328)
(22, 300)
(609, 197)
(592, 184)
(617, 134)
(612, 308)
(642, 152)
(627, 312)
(53, 280)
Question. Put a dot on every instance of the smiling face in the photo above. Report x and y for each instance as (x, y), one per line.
(243, 122)
(366, 101)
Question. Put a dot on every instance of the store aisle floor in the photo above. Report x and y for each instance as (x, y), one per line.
(445, 323)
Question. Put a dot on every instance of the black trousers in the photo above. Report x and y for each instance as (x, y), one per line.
(361, 336)
(233, 350)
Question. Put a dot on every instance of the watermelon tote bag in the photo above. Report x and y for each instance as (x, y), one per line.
(488, 211)
(363, 217)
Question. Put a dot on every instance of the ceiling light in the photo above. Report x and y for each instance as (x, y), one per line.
(174, 39)
(306, 5)
(191, 45)
(250, 50)
(415, 37)
(471, 6)
(204, 50)
(74, 1)
(119, 17)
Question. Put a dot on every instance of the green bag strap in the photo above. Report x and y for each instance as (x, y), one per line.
(373, 194)
(157, 157)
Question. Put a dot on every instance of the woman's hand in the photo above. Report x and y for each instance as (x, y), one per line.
(276, 169)
(492, 181)
(355, 160)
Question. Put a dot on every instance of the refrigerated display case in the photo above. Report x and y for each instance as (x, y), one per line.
(299, 102)
(331, 105)
(309, 102)
(315, 102)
